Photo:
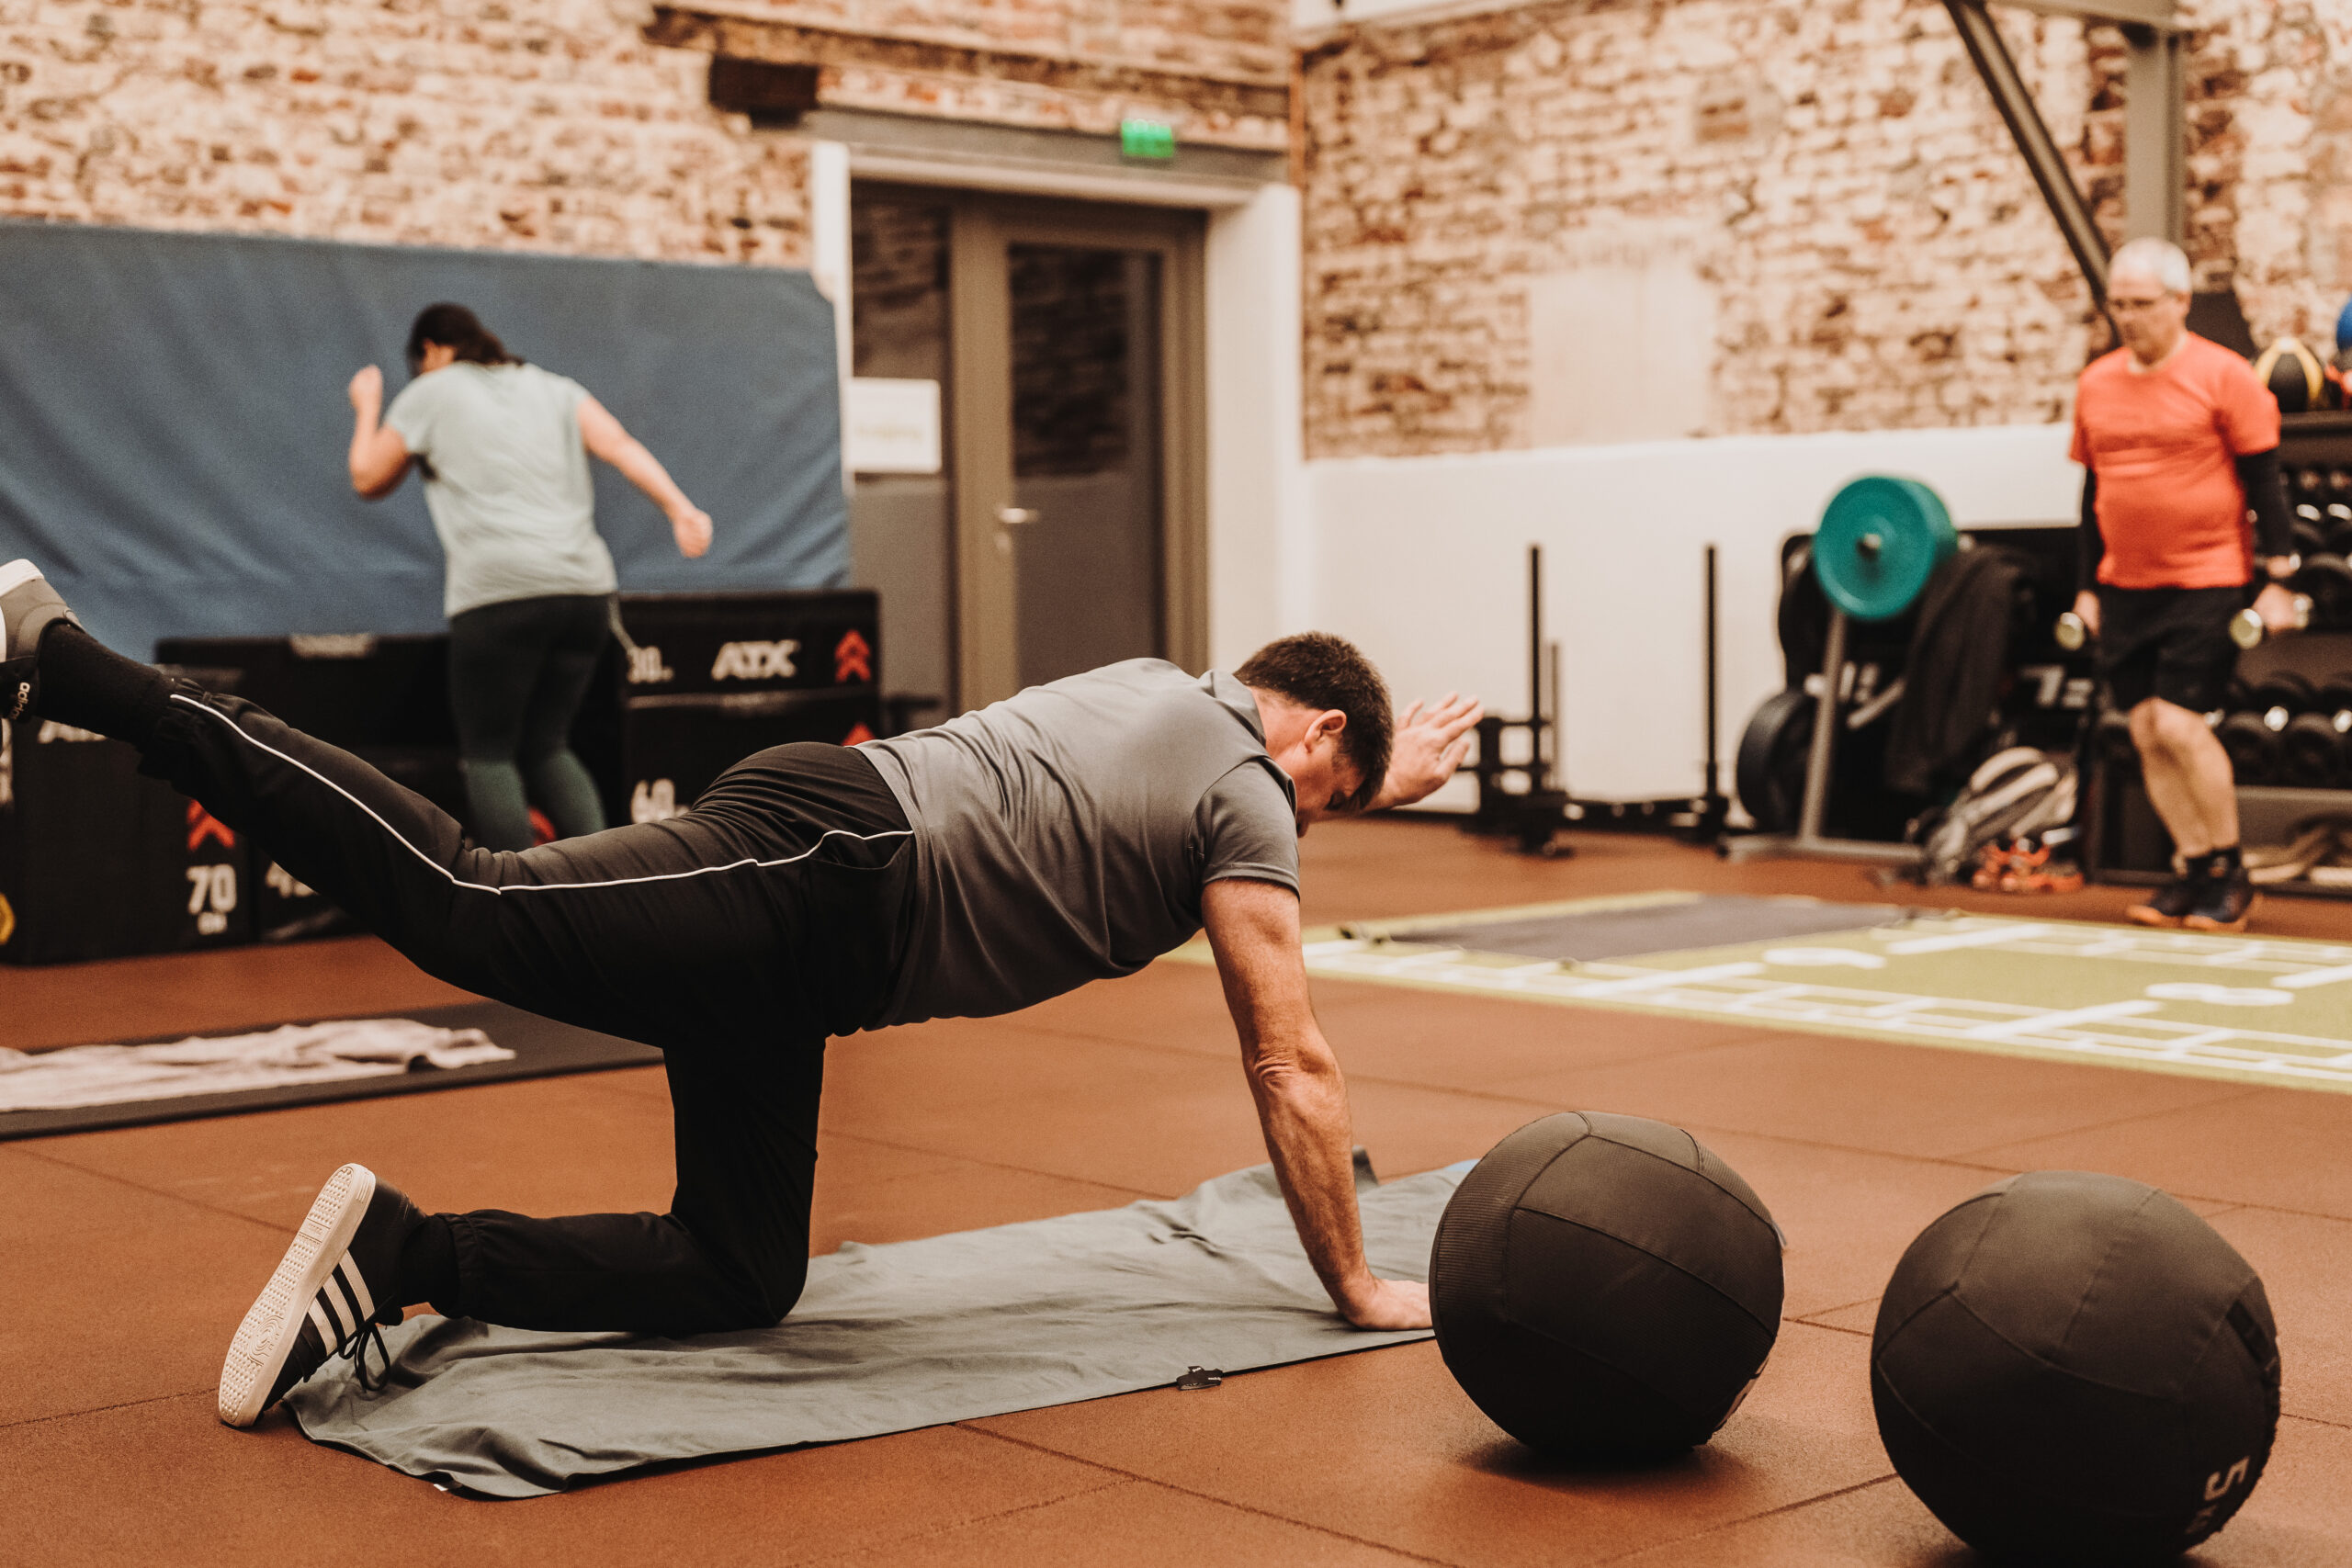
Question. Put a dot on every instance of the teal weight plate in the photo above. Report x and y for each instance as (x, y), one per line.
(1879, 540)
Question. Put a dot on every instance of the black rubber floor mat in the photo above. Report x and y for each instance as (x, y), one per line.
(542, 1048)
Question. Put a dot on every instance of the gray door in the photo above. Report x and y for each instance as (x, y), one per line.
(1077, 459)
(1087, 552)
(1065, 529)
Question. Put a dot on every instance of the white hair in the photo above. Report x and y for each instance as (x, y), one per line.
(2151, 257)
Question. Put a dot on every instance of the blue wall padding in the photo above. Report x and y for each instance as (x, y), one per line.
(174, 425)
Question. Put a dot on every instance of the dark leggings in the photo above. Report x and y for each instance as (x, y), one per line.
(519, 672)
(736, 938)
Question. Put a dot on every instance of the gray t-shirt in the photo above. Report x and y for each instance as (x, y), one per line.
(506, 481)
(1064, 835)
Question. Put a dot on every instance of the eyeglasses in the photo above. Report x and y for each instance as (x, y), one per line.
(2116, 303)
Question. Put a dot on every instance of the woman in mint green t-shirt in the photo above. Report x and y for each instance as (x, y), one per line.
(504, 447)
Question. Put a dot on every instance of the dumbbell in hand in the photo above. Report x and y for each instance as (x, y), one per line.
(2246, 629)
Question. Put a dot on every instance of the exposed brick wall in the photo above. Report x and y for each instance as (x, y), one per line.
(2269, 113)
(539, 124)
(1234, 92)
(1836, 171)
(1240, 39)
(552, 124)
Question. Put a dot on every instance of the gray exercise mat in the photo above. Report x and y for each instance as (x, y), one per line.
(1627, 931)
(885, 1339)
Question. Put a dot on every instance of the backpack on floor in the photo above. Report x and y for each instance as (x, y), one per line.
(2015, 794)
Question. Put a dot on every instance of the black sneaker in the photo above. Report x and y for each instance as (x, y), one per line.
(27, 604)
(2170, 905)
(2223, 904)
(327, 1297)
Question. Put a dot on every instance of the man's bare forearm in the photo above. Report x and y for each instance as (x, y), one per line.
(1302, 1108)
(1301, 1102)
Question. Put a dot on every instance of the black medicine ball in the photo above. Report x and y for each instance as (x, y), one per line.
(2294, 376)
(2073, 1368)
(1605, 1288)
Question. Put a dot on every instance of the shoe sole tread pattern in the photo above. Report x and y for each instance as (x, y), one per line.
(272, 1324)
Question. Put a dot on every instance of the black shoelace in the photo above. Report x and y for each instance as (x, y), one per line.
(354, 1350)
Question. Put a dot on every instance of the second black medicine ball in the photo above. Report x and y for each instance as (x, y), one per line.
(1605, 1288)
(2073, 1368)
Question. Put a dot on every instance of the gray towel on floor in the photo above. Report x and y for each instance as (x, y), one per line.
(885, 1339)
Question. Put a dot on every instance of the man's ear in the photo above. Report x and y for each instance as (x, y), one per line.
(1329, 723)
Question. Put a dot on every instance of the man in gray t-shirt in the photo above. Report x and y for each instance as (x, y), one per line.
(1075, 830)
(1080, 830)
(1067, 834)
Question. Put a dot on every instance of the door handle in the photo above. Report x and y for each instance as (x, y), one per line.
(1014, 515)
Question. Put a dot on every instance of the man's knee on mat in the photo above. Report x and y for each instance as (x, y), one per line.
(772, 1283)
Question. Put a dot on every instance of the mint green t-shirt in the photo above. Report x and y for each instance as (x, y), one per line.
(506, 481)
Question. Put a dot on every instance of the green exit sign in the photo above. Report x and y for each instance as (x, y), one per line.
(1147, 139)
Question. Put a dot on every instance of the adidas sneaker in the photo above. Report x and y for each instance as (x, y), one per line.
(334, 1285)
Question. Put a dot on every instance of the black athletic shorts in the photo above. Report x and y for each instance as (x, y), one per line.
(2172, 643)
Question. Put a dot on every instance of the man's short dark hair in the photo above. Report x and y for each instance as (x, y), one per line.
(1318, 671)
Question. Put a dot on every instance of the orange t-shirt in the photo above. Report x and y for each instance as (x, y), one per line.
(2164, 444)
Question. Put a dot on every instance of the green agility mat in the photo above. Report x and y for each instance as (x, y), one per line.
(2248, 1009)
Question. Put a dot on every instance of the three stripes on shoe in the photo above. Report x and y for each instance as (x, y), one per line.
(342, 1304)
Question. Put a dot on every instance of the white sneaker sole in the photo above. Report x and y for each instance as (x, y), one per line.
(276, 1318)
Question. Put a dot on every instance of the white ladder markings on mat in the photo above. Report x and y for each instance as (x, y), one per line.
(1665, 979)
(2121, 1032)
(2052, 1022)
(1982, 936)
(2285, 965)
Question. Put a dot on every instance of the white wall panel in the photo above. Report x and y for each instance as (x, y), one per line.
(1261, 564)
(1422, 561)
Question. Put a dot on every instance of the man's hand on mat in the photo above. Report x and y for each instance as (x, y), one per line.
(1386, 1303)
(1428, 748)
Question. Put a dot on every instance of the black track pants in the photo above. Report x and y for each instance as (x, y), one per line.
(735, 938)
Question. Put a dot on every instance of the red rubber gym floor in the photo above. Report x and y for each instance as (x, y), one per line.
(129, 1256)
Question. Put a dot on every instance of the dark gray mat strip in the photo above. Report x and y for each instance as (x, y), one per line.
(1588, 936)
(542, 1048)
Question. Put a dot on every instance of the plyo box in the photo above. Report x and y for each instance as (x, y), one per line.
(708, 678)
(97, 861)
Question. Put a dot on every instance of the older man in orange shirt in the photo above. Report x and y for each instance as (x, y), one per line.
(2178, 440)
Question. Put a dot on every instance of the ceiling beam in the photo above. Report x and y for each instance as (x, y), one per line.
(2043, 159)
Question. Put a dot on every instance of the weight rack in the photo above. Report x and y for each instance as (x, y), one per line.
(1874, 551)
(1533, 813)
